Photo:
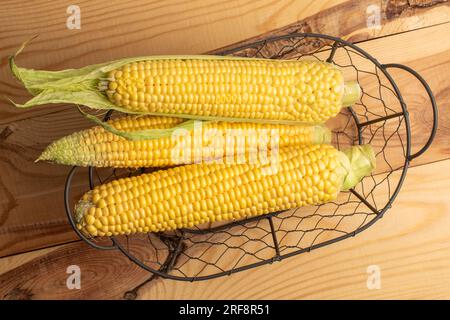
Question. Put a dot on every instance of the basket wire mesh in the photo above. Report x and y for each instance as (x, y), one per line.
(380, 118)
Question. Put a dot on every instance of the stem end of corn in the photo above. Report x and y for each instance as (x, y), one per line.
(321, 135)
(352, 93)
(80, 210)
(359, 162)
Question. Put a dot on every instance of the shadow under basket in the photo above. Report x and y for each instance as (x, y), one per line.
(380, 118)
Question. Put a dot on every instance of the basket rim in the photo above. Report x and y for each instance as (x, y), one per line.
(378, 213)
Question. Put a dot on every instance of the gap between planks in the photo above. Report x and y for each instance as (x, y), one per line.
(319, 18)
(416, 56)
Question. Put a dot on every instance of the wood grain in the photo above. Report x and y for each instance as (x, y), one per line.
(29, 187)
(175, 27)
(48, 271)
(355, 21)
(414, 266)
(410, 246)
(11, 262)
(108, 32)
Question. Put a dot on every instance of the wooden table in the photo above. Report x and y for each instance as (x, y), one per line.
(410, 245)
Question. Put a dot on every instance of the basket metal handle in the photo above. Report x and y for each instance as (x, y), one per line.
(432, 100)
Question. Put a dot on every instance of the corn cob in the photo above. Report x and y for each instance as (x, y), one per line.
(100, 148)
(199, 87)
(190, 195)
(308, 91)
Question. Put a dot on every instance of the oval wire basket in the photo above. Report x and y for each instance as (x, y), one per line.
(379, 118)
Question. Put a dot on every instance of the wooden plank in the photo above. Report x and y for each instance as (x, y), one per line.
(409, 245)
(432, 65)
(28, 210)
(27, 186)
(186, 27)
(48, 270)
(11, 262)
(357, 21)
(113, 30)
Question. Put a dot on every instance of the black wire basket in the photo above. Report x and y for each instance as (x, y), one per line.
(380, 118)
